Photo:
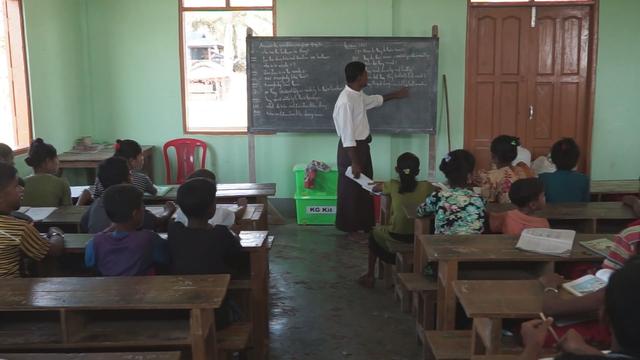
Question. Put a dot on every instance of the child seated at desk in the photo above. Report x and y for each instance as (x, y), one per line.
(44, 188)
(624, 248)
(18, 237)
(565, 184)
(528, 196)
(7, 157)
(131, 151)
(115, 171)
(458, 210)
(495, 183)
(123, 250)
(199, 247)
(400, 229)
(620, 314)
(222, 216)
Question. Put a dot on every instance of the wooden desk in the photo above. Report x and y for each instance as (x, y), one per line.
(165, 355)
(90, 161)
(117, 312)
(489, 302)
(599, 188)
(72, 215)
(590, 212)
(255, 193)
(256, 245)
(450, 251)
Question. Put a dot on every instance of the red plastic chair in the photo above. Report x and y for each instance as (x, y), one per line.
(185, 162)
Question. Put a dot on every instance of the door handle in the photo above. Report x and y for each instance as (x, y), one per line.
(530, 112)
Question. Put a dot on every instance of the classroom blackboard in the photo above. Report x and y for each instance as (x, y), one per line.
(293, 82)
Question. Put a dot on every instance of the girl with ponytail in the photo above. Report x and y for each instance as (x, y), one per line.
(131, 151)
(405, 191)
(44, 188)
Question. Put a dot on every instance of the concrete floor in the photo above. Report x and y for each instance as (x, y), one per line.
(318, 311)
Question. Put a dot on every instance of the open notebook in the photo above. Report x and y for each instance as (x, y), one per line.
(547, 241)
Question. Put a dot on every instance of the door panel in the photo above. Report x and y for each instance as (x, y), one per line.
(496, 92)
(558, 86)
(512, 66)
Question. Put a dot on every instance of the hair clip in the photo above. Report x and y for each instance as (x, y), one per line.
(515, 141)
(447, 158)
(117, 146)
(406, 171)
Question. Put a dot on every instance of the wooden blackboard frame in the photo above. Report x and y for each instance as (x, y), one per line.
(251, 129)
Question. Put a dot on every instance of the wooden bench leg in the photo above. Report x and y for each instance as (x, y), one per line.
(381, 265)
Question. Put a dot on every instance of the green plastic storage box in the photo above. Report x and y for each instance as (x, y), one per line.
(316, 210)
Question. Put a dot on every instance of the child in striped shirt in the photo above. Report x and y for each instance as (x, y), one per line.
(131, 151)
(18, 237)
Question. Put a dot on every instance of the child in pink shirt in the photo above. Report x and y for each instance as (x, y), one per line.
(528, 196)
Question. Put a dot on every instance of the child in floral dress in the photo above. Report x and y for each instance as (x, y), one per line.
(458, 210)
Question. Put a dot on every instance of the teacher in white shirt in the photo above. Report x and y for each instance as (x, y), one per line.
(354, 213)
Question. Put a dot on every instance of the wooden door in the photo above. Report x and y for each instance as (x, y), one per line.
(527, 75)
(497, 68)
(558, 85)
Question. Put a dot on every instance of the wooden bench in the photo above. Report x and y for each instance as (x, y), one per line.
(166, 355)
(90, 160)
(602, 188)
(489, 302)
(257, 245)
(451, 251)
(235, 338)
(75, 314)
(70, 216)
(423, 294)
(447, 345)
(588, 215)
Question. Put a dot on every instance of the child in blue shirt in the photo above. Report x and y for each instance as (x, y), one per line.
(566, 185)
(123, 250)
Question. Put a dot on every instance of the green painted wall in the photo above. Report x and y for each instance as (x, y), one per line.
(616, 148)
(135, 85)
(56, 35)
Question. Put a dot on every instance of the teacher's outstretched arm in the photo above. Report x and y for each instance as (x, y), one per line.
(398, 94)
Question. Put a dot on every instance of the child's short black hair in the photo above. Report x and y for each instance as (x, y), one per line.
(196, 196)
(203, 173)
(128, 149)
(6, 153)
(39, 153)
(113, 171)
(505, 148)
(622, 297)
(353, 70)
(457, 166)
(120, 201)
(7, 174)
(565, 154)
(524, 191)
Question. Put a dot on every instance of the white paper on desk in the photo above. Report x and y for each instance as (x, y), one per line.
(364, 181)
(547, 241)
(76, 191)
(40, 213)
(156, 210)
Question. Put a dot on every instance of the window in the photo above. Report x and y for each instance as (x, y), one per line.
(15, 115)
(213, 53)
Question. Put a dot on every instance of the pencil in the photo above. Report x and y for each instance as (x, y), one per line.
(553, 332)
